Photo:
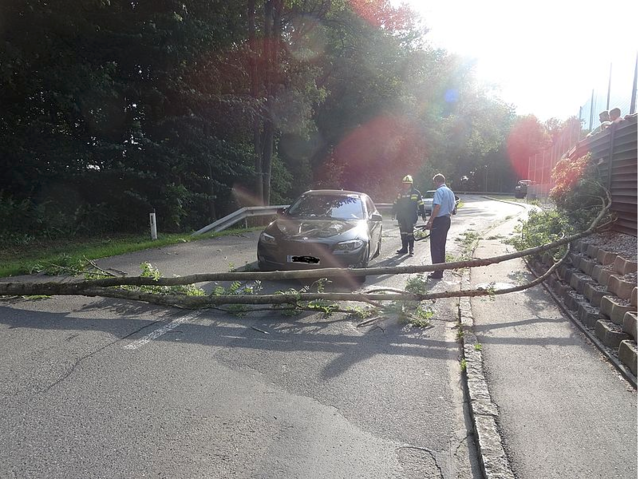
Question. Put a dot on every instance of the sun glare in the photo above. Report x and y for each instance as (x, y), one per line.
(545, 58)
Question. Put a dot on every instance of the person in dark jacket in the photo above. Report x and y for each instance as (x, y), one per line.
(406, 208)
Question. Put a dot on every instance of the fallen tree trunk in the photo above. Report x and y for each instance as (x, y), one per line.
(202, 302)
(111, 287)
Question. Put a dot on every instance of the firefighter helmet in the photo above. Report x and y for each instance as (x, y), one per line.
(407, 179)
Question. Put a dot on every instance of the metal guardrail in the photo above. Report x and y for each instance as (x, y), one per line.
(237, 216)
(252, 211)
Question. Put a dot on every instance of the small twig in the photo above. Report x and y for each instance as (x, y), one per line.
(105, 272)
(369, 321)
(260, 330)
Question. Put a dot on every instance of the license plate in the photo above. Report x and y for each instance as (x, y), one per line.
(303, 259)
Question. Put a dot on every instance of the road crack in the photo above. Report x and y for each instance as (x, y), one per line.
(93, 353)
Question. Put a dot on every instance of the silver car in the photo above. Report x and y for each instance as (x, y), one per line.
(428, 202)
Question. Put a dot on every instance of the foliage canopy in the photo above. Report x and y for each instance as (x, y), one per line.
(112, 109)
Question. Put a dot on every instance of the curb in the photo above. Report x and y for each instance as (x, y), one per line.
(484, 412)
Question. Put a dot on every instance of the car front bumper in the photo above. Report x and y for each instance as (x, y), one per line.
(309, 256)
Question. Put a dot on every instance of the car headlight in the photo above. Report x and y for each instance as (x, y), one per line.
(266, 238)
(350, 245)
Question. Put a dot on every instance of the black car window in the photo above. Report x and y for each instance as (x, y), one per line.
(328, 206)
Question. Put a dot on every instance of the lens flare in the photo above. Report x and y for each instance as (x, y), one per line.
(526, 138)
(308, 39)
(244, 197)
(384, 144)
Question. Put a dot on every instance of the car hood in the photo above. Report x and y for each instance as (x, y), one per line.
(311, 228)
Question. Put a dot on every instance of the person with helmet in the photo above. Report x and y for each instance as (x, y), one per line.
(406, 208)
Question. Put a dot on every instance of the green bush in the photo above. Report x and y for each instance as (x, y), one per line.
(578, 190)
(541, 228)
(578, 198)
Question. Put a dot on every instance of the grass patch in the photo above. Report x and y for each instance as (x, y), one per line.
(56, 256)
(469, 241)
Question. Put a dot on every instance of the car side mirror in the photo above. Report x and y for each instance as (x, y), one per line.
(281, 211)
(376, 217)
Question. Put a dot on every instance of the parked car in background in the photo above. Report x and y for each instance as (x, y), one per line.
(322, 229)
(428, 202)
(521, 188)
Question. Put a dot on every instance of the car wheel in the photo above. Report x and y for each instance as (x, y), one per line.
(365, 261)
(379, 248)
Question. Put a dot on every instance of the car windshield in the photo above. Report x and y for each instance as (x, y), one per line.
(429, 194)
(328, 206)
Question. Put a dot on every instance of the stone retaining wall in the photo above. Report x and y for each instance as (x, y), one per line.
(600, 288)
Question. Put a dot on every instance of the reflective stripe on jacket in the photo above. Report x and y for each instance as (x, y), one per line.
(408, 205)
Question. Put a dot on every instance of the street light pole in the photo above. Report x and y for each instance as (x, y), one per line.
(486, 169)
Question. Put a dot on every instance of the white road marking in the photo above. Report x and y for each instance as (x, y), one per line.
(163, 330)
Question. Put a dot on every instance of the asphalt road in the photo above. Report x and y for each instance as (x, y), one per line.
(116, 389)
(564, 411)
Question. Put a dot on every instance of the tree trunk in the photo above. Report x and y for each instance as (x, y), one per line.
(267, 154)
(255, 91)
(80, 286)
(273, 59)
(212, 196)
(294, 298)
(268, 130)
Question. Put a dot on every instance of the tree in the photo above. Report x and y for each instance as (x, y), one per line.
(282, 86)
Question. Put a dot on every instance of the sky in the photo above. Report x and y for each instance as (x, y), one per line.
(545, 57)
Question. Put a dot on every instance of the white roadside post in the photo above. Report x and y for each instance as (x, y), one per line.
(154, 229)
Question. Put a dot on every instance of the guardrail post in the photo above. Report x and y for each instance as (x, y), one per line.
(154, 229)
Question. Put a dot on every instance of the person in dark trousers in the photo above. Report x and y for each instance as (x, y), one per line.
(406, 208)
(444, 201)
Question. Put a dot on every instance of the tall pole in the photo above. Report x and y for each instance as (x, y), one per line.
(486, 188)
(634, 89)
(591, 110)
(609, 87)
